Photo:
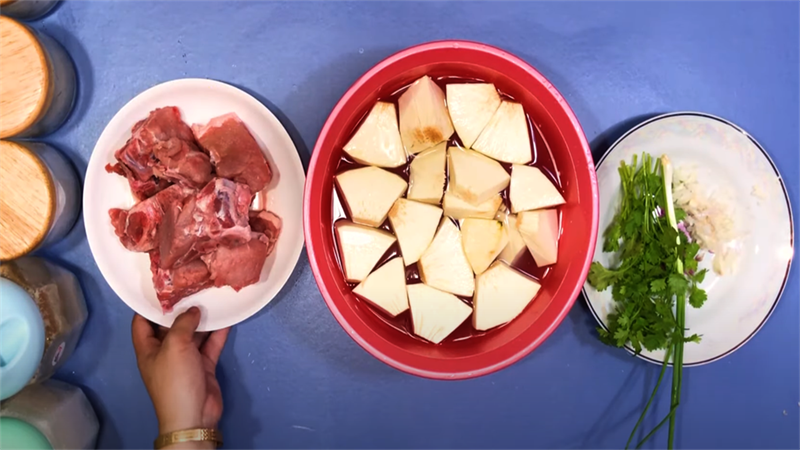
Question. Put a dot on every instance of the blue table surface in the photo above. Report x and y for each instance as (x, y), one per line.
(290, 376)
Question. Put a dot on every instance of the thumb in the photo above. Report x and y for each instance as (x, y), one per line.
(184, 326)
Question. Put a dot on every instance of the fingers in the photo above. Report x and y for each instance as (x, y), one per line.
(199, 339)
(184, 326)
(144, 341)
(161, 332)
(214, 344)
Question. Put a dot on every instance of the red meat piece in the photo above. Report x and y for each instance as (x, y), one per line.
(240, 265)
(172, 285)
(228, 262)
(235, 153)
(161, 149)
(224, 207)
(138, 227)
(161, 125)
(181, 161)
(178, 234)
(237, 266)
(218, 215)
(141, 189)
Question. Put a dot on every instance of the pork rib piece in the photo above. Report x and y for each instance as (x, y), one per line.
(237, 266)
(229, 262)
(217, 215)
(181, 161)
(161, 149)
(141, 189)
(172, 285)
(234, 151)
(138, 227)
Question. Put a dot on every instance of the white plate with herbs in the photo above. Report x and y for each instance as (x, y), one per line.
(737, 210)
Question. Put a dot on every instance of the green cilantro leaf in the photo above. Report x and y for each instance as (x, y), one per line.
(678, 284)
(697, 297)
(658, 285)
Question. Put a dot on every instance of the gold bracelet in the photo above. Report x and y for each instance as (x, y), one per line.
(192, 435)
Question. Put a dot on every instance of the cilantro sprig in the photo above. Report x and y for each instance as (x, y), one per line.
(656, 275)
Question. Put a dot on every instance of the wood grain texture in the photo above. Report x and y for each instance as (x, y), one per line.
(27, 200)
(25, 75)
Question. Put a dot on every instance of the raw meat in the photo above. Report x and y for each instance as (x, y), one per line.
(217, 215)
(230, 263)
(223, 209)
(240, 265)
(199, 232)
(183, 162)
(234, 152)
(178, 234)
(141, 189)
(172, 285)
(237, 266)
(161, 148)
(138, 228)
(269, 225)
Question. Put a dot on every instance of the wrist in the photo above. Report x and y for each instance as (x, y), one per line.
(165, 428)
(169, 426)
(199, 445)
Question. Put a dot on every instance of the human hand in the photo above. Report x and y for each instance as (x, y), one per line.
(178, 369)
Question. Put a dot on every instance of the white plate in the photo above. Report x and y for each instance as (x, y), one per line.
(726, 160)
(128, 273)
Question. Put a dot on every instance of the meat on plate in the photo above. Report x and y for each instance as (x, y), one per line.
(194, 188)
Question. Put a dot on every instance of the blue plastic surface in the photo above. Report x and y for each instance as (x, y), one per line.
(21, 338)
(290, 376)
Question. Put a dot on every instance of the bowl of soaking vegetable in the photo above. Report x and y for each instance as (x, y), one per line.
(451, 210)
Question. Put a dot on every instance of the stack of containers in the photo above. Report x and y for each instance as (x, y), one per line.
(42, 309)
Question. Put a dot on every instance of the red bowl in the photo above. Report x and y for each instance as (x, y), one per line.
(560, 129)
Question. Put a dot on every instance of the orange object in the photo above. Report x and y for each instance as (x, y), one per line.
(38, 89)
(39, 197)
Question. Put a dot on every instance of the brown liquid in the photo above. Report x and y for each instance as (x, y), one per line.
(542, 158)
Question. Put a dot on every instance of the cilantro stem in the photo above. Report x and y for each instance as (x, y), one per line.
(680, 308)
(652, 396)
(677, 341)
(670, 415)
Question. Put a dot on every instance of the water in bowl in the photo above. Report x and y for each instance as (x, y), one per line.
(542, 158)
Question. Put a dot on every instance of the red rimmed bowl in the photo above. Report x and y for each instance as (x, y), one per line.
(556, 123)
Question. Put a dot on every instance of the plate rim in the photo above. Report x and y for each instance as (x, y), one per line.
(297, 166)
(774, 167)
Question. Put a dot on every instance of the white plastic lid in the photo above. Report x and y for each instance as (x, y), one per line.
(21, 338)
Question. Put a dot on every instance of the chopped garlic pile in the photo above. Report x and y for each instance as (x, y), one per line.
(708, 219)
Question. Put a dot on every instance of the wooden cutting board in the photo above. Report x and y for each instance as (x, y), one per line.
(26, 76)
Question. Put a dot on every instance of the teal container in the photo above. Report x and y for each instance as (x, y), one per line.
(18, 434)
(42, 314)
(48, 415)
(21, 338)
